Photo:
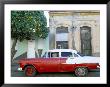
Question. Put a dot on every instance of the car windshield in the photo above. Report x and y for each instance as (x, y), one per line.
(80, 54)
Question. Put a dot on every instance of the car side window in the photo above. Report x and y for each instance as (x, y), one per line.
(54, 54)
(66, 54)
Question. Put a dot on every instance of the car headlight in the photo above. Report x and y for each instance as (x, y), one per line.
(19, 69)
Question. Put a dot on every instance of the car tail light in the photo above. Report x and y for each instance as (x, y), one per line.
(98, 65)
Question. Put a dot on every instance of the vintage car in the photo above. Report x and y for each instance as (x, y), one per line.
(59, 60)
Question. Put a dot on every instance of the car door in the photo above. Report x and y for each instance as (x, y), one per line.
(64, 65)
(52, 62)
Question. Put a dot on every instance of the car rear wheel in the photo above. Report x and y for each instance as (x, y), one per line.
(30, 71)
(81, 71)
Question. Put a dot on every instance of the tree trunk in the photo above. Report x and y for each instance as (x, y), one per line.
(31, 49)
(40, 46)
(13, 51)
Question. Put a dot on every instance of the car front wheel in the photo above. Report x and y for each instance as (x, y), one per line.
(81, 71)
(30, 71)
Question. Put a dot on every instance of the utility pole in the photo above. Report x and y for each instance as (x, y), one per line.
(73, 29)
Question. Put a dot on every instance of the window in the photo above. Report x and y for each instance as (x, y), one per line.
(62, 44)
(66, 54)
(80, 54)
(54, 54)
(61, 37)
(75, 55)
(62, 29)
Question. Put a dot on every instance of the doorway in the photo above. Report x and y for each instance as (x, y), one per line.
(85, 35)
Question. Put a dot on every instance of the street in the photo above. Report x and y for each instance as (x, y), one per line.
(15, 73)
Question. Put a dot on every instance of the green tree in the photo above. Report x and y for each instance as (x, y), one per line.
(27, 25)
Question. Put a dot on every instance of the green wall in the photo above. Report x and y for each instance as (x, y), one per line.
(22, 47)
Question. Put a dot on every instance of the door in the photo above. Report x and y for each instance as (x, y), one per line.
(85, 34)
(52, 62)
(66, 66)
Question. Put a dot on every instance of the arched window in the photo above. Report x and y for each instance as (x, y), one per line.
(62, 37)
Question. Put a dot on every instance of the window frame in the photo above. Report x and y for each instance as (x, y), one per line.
(49, 55)
(67, 52)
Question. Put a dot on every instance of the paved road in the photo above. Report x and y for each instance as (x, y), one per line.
(15, 73)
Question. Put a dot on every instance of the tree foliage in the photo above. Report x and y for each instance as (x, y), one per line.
(28, 25)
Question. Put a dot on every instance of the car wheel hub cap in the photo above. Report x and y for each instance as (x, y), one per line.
(29, 71)
(81, 71)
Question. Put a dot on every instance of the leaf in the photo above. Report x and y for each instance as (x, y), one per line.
(28, 25)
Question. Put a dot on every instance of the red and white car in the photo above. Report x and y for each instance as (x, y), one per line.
(59, 60)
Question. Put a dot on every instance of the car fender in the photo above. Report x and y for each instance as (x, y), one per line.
(36, 67)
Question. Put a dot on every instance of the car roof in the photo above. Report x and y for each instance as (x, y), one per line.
(62, 50)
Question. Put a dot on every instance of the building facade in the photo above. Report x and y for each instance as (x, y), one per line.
(79, 30)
